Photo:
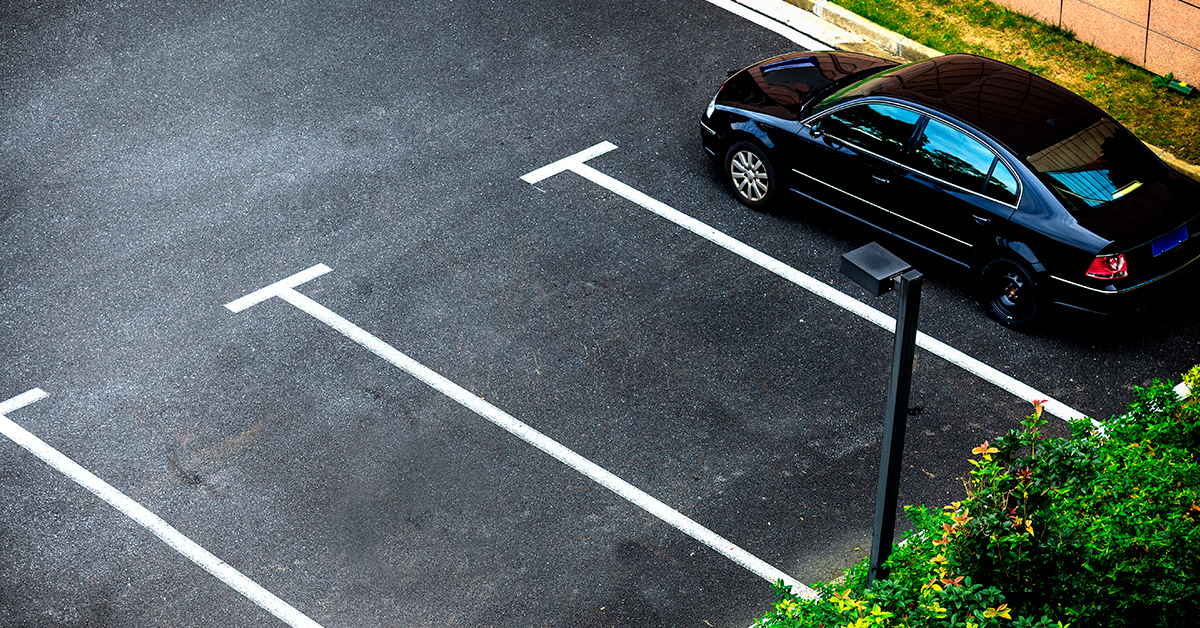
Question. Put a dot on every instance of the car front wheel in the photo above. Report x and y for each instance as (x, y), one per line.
(1009, 291)
(750, 174)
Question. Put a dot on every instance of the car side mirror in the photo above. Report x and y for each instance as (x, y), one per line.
(830, 140)
(820, 129)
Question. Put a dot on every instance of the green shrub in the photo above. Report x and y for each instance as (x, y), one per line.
(1102, 529)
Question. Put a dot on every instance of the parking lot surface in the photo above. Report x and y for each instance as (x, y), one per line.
(162, 162)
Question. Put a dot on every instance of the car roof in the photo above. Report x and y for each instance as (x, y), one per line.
(1015, 107)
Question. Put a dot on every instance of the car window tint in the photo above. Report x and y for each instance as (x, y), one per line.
(953, 156)
(1095, 166)
(881, 129)
(1003, 184)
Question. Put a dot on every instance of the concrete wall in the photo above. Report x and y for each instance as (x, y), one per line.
(1161, 35)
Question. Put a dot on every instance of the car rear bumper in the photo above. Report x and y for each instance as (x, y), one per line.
(1164, 290)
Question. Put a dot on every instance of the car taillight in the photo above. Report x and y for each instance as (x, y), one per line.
(1108, 267)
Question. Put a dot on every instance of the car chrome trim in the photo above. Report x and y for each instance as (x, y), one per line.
(706, 128)
(831, 208)
(1079, 285)
(858, 198)
(867, 101)
(1130, 288)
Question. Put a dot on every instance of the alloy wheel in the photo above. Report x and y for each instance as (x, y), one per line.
(750, 177)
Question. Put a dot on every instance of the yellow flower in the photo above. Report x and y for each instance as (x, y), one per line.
(1001, 611)
(878, 611)
(985, 449)
(844, 602)
(1026, 523)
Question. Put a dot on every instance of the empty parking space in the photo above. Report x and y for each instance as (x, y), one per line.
(151, 522)
(286, 290)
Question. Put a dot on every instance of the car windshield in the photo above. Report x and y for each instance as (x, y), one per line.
(818, 96)
(1093, 167)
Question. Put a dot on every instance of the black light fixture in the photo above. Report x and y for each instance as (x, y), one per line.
(876, 269)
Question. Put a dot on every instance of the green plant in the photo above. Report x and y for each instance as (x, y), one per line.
(1192, 380)
(1101, 529)
(1163, 81)
(1101, 86)
(1098, 530)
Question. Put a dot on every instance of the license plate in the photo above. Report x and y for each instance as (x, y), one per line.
(1169, 241)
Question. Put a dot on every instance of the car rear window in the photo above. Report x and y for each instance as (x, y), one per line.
(1094, 167)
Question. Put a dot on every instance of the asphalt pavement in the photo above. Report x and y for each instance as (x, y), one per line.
(159, 162)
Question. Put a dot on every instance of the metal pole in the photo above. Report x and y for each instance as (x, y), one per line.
(908, 285)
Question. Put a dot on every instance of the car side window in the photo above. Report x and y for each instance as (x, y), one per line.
(881, 129)
(949, 154)
(1003, 184)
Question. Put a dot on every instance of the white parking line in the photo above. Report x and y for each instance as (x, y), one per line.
(285, 290)
(147, 519)
(771, 24)
(575, 163)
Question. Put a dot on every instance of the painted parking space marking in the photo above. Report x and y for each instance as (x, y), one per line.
(285, 290)
(771, 23)
(575, 163)
(172, 537)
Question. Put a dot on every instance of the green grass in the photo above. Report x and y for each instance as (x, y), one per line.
(1156, 115)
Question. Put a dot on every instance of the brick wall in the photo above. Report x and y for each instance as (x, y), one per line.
(1160, 35)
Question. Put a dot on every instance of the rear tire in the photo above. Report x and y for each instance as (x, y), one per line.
(751, 174)
(1009, 290)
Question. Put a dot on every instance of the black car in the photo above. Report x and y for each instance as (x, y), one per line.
(1042, 195)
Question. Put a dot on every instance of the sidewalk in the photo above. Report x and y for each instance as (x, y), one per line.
(819, 21)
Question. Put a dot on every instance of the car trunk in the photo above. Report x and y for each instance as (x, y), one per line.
(1156, 225)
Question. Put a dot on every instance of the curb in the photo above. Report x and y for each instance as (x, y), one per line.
(1185, 168)
(890, 42)
(849, 29)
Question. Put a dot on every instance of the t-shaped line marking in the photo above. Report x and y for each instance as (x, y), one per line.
(275, 289)
(568, 163)
(21, 400)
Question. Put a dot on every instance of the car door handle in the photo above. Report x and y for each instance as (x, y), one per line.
(880, 180)
(981, 220)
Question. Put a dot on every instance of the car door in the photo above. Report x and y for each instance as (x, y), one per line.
(847, 158)
(953, 194)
